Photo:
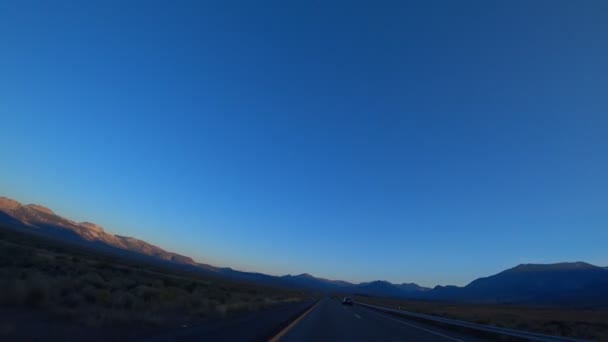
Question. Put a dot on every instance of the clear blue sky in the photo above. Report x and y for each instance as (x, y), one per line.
(430, 143)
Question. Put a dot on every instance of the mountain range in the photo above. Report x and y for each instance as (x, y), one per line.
(562, 283)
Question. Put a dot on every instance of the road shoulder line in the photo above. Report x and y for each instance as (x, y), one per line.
(291, 325)
(416, 326)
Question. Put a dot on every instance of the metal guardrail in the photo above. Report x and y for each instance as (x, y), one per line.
(474, 326)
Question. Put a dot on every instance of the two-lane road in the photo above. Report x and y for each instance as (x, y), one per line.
(329, 320)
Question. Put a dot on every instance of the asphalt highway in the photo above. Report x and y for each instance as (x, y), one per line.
(254, 326)
(329, 320)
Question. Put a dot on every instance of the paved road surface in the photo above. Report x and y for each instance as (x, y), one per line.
(331, 321)
(255, 326)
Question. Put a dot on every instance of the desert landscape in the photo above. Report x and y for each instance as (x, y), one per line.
(68, 290)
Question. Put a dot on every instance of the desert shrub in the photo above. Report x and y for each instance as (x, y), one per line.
(92, 319)
(12, 291)
(559, 327)
(240, 297)
(115, 283)
(66, 286)
(169, 281)
(147, 293)
(90, 294)
(155, 283)
(61, 258)
(36, 296)
(129, 284)
(191, 286)
(102, 265)
(38, 289)
(220, 297)
(93, 279)
(125, 270)
(172, 293)
(113, 316)
(124, 300)
(221, 310)
(73, 300)
(98, 291)
(150, 318)
(197, 303)
(103, 296)
(66, 312)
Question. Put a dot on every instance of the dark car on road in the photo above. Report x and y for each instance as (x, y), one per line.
(347, 301)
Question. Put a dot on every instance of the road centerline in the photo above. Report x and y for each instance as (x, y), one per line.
(291, 325)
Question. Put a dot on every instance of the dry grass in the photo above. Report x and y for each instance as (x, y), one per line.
(97, 290)
(570, 322)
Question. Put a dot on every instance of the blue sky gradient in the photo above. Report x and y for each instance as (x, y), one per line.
(432, 142)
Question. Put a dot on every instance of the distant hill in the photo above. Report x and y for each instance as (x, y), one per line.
(307, 280)
(576, 283)
(384, 288)
(562, 283)
(412, 288)
(43, 220)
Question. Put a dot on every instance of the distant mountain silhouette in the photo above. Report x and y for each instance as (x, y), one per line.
(561, 283)
(576, 283)
(384, 288)
(412, 288)
(307, 280)
(43, 220)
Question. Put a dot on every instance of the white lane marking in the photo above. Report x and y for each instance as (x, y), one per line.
(417, 327)
(359, 317)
